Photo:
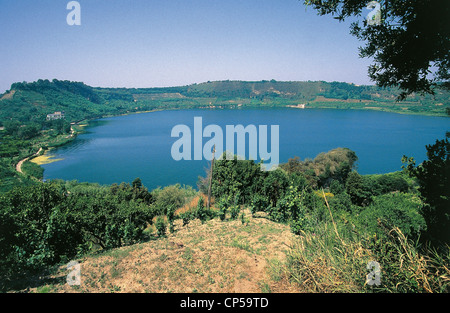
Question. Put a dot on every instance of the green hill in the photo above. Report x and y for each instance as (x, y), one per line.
(31, 102)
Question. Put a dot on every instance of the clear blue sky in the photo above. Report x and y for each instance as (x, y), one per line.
(150, 43)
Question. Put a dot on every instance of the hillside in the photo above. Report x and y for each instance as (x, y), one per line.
(293, 229)
(211, 257)
(31, 102)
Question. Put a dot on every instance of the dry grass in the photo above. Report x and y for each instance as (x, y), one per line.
(211, 257)
(191, 205)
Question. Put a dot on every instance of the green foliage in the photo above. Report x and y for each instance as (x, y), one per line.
(334, 258)
(223, 204)
(259, 203)
(275, 185)
(358, 190)
(393, 210)
(105, 221)
(161, 226)
(336, 164)
(234, 211)
(341, 202)
(39, 230)
(170, 196)
(186, 217)
(235, 177)
(406, 268)
(44, 224)
(392, 42)
(201, 210)
(171, 217)
(243, 219)
(336, 187)
(433, 176)
(33, 170)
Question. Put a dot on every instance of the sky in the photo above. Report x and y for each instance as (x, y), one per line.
(160, 43)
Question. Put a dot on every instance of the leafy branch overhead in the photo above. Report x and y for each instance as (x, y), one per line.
(410, 46)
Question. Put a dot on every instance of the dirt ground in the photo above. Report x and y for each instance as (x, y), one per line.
(214, 257)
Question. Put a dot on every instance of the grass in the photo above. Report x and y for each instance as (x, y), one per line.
(326, 262)
(262, 256)
(212, 257)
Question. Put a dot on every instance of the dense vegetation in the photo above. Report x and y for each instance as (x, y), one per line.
(335, 211)
(401, 219)
(31, 102)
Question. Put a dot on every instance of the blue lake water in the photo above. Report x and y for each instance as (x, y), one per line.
(119, 149)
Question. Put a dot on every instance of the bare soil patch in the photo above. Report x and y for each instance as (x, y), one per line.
(217, 256)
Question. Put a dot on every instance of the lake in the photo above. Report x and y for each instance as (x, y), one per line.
(119, 149)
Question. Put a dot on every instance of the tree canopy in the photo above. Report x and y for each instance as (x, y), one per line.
(409, 45)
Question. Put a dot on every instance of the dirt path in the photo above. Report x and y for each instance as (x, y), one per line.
(19, 165)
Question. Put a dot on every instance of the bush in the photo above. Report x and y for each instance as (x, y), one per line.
(32, 169)
(186, 217)
(336, 187)
(358, 189)
(171, 217)
(433, 176)
(393, 210)
(234, 211)
(167, 197)
(341, 203)
(38, 228)
(223, 205)
(201, 210)
(160, 226)
(259, 203)
(43, 224)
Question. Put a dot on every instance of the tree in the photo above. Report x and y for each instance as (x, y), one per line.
(36, 227)
(433, 176)
(357, 189)
(275, 185)
(137, 183)
(409, 45)
(335, 164)
(201, 210)
(236, 177)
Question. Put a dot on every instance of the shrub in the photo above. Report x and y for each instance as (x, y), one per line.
(186, 217)
(201, 210)
(259, 203)
(234, 211)
(160, 226)
(38, 228)
(433, 176)
(223, 205)
(358, 190)
(167, 197)
(171, 217)
(393, 210)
